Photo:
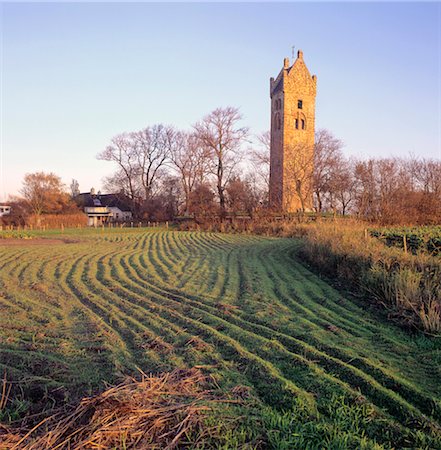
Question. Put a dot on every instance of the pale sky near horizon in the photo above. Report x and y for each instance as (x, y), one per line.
(73, 75)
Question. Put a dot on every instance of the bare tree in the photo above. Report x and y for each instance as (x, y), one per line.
(426, 174)
(342, 185)
(327, 160)
(152, 150)
(122, 151)
(140, 156)
(242, 195)
(192, 162)
(366, 189)
(119, 183)
(202, 202)
(219, 132)
(74, 188)
(260, 159)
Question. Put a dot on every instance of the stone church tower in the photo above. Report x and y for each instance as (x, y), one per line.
(292, 137)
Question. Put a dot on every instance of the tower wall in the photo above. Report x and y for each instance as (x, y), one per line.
(292, 137)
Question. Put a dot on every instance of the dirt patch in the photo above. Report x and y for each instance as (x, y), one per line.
(37, 241)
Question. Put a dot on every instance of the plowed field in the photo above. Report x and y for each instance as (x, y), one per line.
(76, 315)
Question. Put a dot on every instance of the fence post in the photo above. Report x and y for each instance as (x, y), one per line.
(405, 243)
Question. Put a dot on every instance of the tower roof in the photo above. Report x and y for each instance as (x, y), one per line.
(299, 66)
(297, 70)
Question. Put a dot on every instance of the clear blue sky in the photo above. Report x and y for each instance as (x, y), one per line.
(74, 75)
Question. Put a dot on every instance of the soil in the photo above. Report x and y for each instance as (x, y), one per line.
(39, 241)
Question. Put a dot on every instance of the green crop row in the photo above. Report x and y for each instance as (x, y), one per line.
(413, 239)
(11, 234)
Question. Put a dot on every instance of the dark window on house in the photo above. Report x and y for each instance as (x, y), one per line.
(303, 124)
(300, 104)
(297, 124)
(278, 121)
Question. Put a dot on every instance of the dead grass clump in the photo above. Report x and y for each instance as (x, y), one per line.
(157, 412)
(226, 308)
(8, 438)
(198, 344)
(241, 392)
(158, 345)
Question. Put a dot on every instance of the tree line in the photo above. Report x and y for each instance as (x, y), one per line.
(218, 168)
(213, 169)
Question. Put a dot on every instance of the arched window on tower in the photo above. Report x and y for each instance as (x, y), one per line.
(303, 124)
(297, 124)
(277, 122)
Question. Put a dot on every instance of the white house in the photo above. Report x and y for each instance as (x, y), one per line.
(5, 210)
(104, 208)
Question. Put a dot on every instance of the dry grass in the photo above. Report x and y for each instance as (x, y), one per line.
(157, 412)
(407, 285)
(57, 221)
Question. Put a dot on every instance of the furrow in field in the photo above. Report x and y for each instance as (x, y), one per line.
(258, 371)
(305, 292)
(8, 257)
(386, 399)
(313, 313)
(16, 267)
(98, 314)
(141, 324)
(381, 375)
(324, 341)
(345, 371)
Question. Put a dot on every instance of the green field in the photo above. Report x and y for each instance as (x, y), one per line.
(322, 371)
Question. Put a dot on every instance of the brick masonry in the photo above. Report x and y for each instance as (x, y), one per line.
(292, 137)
